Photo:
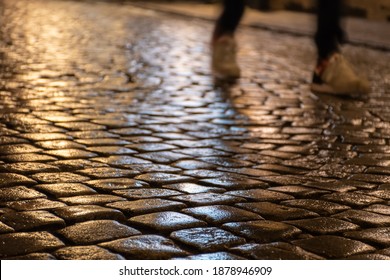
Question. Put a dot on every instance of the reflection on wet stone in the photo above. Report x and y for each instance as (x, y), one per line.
(107, 172)
(263, 231)
(116, 184)
(220, 214)
(277, 212)
(163, 178)
(143, 206)
(214, 256)
(92, 232)
(63, 177)
(207, 199)
(166, 221)
(207, 239)
(145, 247)
(192, 188)
(96, 199)
(64, 189)
(82, 213)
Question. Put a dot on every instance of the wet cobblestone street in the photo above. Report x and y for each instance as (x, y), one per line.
(115, 142)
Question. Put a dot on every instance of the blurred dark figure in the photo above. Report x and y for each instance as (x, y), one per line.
(333, 74)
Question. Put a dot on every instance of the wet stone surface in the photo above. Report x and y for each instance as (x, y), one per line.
(220, 214)
(166, 221)
(22, 243)
(207, 239)
(324, 225)
(92, 232)
(333, 246)
(32, 220)
(146, 247)
(82, 213)
(18, 193)
(375, 235)
(214, 256)
(86, 253)
(277, 212)
(65, 189)
(274, 251)
(144, 206)
(263, 231)
(117, 143)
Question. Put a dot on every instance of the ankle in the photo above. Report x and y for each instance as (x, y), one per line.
(323, 62)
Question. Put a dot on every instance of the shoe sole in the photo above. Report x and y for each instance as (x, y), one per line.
(322, 88)
(326, 89)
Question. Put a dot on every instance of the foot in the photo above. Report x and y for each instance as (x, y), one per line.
(336, 76)
(224, 58)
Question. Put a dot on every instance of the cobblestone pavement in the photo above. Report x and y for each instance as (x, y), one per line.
(115, 143)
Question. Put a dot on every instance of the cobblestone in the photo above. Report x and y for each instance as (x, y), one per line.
(82, 213)
(207, 199)
(65, 189)
(375, 235)
(220, 214)
(263, 231)
(166, 221)
(18, 193)
(92, 232)
(274, 251)
(86, 253)
(32, 220)
(23, 243)
(207, 239)
(277, 212)
(107, 185)
(117, 143)
(324, 225)
(34, 204)
(364, 218)
(34, 256)
(214, 256)
(12, 179)
(192, 188)
(319, 206)
(96, 199)
(144, 206)
(334, 246)
(5, 229)
(146, 247)
(146, 193)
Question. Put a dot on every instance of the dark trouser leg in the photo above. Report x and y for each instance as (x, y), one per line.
(232, 13)
(329, 32)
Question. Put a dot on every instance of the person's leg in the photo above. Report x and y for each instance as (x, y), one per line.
(329, 33)
(229, 19)
(223, 44)
(333, 73)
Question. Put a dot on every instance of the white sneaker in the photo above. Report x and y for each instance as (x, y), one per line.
(336, 76)
(224, 58)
